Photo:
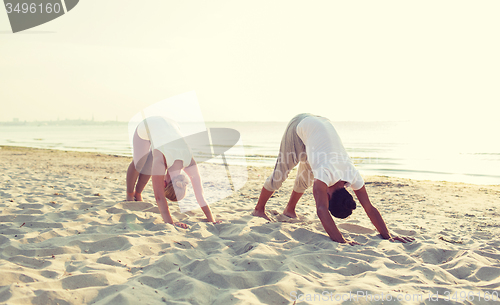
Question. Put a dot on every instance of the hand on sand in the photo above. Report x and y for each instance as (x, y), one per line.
(180, 225)
(351, 242)
(403, 239)
(260, 213)
(217, 221)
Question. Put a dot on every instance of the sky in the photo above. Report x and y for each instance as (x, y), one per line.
(435, 62)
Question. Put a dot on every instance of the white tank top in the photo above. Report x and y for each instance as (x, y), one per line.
(165, 136)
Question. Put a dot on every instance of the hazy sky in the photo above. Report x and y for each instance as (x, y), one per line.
(258, 60)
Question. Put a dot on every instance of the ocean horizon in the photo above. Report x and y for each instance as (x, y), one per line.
(377, 148)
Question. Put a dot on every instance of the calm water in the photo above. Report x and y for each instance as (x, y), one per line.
(401, 149)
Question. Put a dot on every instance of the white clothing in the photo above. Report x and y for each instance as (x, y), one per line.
(164, 135)
(313, 143)
(326, 154)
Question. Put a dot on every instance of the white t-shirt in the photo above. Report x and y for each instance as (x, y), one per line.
(165, 136)
(326, 154)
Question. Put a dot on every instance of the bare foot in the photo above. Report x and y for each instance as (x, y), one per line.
(131, 196)
(260, 213)
(138, 197)
(289, 214)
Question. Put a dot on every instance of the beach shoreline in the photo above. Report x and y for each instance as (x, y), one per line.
(67, 236)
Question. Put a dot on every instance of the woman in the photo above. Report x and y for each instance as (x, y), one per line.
(160, 151)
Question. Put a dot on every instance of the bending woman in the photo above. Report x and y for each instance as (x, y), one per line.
(160, 151)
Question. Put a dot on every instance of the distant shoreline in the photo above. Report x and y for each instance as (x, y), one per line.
(61, 122)
(367, 177)
(108, 122)
(390, 149)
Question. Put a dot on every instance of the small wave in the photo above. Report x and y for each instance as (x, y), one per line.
(480, 154)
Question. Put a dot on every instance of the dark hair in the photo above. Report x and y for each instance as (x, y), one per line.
(341, 203)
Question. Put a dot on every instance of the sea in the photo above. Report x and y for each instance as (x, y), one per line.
(398, 149)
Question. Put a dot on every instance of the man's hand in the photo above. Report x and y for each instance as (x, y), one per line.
(372, 213)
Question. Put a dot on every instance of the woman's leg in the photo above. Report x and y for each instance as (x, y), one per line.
(132, 175)
(141, 184)
(137, 171)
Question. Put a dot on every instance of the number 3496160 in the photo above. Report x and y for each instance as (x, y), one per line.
(32, 8)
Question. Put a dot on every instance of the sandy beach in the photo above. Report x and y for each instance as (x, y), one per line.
(68, 237)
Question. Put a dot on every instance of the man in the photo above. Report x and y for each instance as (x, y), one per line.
(313, 142)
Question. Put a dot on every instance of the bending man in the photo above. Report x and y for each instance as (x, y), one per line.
(324, 163)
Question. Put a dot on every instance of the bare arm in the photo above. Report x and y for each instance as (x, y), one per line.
(160, 198)
(372, 213)
(158, 178)
(321, 197)
(376, 218)
(194, 176)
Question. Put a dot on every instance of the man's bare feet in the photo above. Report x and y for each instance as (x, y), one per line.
(260, 213)
(138, 197)
(289, 214)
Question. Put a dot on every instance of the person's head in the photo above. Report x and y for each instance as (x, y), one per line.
(341, 203)
(175, 189)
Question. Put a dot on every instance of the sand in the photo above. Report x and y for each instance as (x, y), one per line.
(68, 237)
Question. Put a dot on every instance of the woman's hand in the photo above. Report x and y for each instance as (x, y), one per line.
(352, 242)
(348, 242)
(180, 225)
(403, 239)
